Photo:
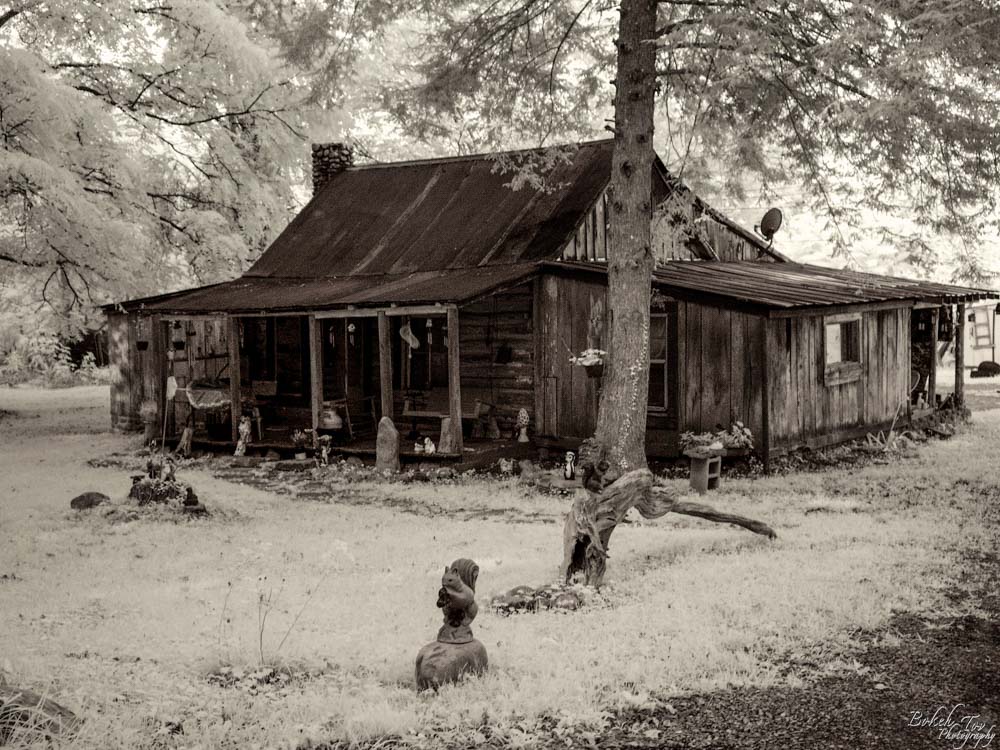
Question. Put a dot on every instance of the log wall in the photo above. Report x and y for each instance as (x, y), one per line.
(486, 330)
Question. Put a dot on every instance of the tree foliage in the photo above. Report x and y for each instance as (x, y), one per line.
(886, 103)
(144, 145)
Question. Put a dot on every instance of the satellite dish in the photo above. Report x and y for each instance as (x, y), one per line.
(770, 224)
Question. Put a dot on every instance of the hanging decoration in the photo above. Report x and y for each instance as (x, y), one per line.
(406, 333)
(332, 338)
(430, 331)
(351, 328)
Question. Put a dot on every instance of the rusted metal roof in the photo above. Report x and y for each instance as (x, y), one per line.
(776, 287)
(250, 294)
(437, 214)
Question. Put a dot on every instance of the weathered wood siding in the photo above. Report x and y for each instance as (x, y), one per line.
(125, 380)
(804, 410)
(714, 237)
(721, 373)
(486, 329)
(570, 318)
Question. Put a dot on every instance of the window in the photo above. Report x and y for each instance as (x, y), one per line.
(659, 380)
(842, 349)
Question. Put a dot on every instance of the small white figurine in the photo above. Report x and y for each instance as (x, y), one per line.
(418, 446)
(244, 433)
(506, 465)
(429, 446)
(324, 450)
(569, 467)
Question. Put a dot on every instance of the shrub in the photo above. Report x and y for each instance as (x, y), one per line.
(42, 359)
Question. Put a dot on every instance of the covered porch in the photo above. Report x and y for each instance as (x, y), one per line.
(325, 372)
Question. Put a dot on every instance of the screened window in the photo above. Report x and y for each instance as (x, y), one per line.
(659, 380)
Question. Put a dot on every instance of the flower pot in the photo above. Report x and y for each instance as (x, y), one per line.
(594, 371)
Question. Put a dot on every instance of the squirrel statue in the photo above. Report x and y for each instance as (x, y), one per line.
(457, 598)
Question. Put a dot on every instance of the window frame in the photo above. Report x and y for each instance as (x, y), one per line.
(849, 370)
(666, 315)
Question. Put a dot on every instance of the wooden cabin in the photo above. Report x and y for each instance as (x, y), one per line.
(431, 289)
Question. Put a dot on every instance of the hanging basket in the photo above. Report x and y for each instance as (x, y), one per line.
(594, 371)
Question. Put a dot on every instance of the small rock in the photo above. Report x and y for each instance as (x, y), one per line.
(566, 600)
(354, 462)
(417, 476)
(440, 663)
(272, 455)
(88, 500)
(444, 472)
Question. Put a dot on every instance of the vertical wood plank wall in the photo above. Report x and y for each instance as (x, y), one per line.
(720, 367)
(566, 396)
(804, 410)
(125, 391)
(136, 374)
(589, 242)
(506, 318)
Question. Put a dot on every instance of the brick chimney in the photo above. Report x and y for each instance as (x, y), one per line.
(327, 160)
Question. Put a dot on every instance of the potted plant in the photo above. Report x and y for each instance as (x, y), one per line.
(736, 441)
(591, 360)
(301, 440)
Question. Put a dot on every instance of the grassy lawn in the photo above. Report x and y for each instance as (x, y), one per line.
(125, 623)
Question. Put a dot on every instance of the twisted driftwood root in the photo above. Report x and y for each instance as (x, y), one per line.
(27, 716)
(593, 517)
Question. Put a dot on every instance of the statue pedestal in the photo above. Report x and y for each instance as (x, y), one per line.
(441, 663)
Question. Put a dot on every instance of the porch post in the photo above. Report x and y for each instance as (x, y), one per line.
(235, 397)
(932, 376)
(960, 356)
(454, 379)
(315, 369)
(385, 364)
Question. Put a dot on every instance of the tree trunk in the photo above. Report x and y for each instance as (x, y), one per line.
(592, 519)
(621, 423)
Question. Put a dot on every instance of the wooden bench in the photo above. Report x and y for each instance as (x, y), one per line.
(433, 404)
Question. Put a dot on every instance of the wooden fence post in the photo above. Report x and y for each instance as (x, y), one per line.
(385, 364)
(960, 356)
(454, 379)
(315, 370)
(235, 395)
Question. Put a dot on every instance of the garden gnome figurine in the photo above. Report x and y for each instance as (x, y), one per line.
(455, 652)
(429, 446)
(522, 425)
